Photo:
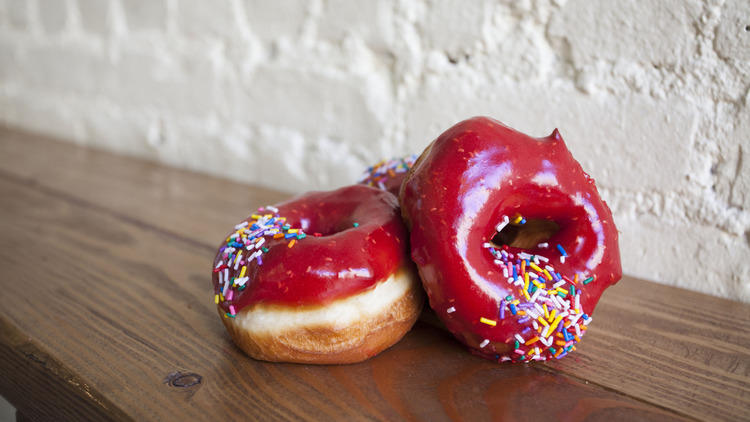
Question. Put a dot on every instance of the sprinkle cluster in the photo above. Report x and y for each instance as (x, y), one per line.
(245, 247)
(378, 174)
(547, 305)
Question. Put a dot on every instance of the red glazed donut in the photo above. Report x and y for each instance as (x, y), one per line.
(513, 244)
(388, 175)
(323, 278)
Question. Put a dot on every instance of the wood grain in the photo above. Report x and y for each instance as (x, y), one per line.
(32, 375)
(137, 190)
(125, 311)
(667, 346)
(690, 350)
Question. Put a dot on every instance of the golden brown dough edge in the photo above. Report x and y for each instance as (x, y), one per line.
(358, 341)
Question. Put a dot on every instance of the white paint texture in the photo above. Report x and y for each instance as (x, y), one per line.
(652, 97)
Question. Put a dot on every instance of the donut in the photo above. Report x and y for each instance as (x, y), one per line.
(513, 244)
(324, 278)
(388, 174)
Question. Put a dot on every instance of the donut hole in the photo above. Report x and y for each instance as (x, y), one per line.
(526, 236)
(328, 227)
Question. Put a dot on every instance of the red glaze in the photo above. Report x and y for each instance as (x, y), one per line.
(343, 261)
(458, 191)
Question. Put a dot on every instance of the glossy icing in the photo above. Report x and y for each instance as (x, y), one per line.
(467, 180)
(354, 238)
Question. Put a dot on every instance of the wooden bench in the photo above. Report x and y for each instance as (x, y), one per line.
(106, 312)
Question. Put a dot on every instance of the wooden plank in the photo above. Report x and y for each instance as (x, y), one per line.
(689, 351)
(125, 312)
(167, 198)
(43, 386)
(631, 346)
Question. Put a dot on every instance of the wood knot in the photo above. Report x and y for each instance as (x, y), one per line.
(183, 379)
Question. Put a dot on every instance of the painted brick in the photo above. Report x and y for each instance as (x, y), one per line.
(639, 30)
(53, 14)
(9, 61)
(313, 103)
(18, 14)
(145, 14)
(52, 118)
(676, 244)
(733, 33)
(339, 159)
(372, 21)
(454, 26)
(266, 160)
(181, 85)
(200, 19)
(273, 20)
(117, 130)
(94, 15)
(62, 69)
(733, 167)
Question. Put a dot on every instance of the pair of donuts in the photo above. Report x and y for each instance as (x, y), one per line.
(505, 233)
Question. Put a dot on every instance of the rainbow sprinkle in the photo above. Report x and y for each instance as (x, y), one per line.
(378, 174)
(245, 247)
(546, 305)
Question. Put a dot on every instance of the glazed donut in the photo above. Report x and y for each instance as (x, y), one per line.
(513, 244)
(388, 174)
(324, 278)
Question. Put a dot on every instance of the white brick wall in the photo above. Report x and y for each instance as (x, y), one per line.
(653, 97)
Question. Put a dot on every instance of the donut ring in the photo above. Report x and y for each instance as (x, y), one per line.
(323, 278)
(512, 241)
